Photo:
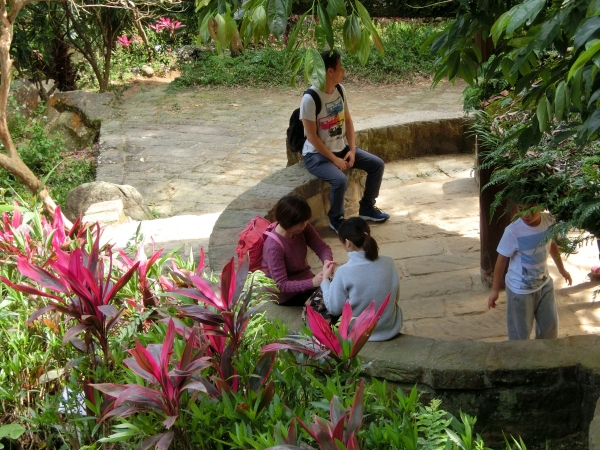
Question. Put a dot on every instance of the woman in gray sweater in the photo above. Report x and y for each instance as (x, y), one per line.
(364, 278)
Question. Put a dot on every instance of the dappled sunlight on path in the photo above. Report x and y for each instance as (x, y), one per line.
(433, 235)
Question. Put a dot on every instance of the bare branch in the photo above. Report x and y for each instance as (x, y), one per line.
(430, 5)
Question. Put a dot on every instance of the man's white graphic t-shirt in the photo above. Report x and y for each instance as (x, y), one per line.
(527, 248)
(331, 123)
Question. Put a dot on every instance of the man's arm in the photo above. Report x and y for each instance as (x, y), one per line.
(555, 253)
(350, 138)
(310, 129)
(498, 272)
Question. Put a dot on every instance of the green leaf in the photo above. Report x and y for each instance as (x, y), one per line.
(525, 12)
(246, 29)
(506, 64)
(560, 100)
(499, 26)
(377, 40)
(338, 7)
(296, 65)
(546, 35)
(542, 114)
(325, 25)
(585, 30)
(13, 431)
(576, 82)
(559, 137)
(277, 15)
(428, 43)
(467, 71)
(593, 8)
(525, 139)
(590, 126)
(584, 58)
(221, 30)
(351, 34)
(364, 47)
(594, 98)
(364, 15)
(230, 28)
(520, 42)
(453, 65)
(294, 34)
(314, 68)
(259, 23)
(201, 4)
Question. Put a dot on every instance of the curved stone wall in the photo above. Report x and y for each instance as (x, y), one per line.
(537, 389)
(392, 142)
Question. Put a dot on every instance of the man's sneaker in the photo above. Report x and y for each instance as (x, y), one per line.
(372, 213)
(334, 224)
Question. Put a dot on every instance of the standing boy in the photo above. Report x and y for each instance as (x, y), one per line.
(529, 288)
(330, 146)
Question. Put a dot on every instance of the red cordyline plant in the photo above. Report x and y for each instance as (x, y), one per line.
(124, 41)
(338, 433)
(165, 23)
(82, 291)
(16, 235)
(168, 379)
(144, 266)
(342, 344)
(224, 328)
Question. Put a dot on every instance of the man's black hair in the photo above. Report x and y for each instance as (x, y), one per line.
(330, 58)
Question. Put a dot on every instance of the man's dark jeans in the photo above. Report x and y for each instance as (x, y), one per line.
(321, 167)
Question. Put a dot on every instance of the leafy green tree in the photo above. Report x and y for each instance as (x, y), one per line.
(547, 129)
(233, 24)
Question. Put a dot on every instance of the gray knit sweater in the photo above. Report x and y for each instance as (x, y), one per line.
(360, 281)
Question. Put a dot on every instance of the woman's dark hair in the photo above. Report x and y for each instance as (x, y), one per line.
(330, 58)
(357, 231)
(292, 210)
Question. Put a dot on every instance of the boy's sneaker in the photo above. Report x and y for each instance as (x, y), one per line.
(372, 213)
(334, 224)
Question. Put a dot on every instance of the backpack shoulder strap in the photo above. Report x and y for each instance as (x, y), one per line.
(274, 236)
(340, 90)
(316, 99)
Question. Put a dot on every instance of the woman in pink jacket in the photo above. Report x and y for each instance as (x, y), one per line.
(284, 254)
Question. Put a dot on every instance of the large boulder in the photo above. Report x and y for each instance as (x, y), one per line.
(91, 107)
(85, 195)
(26, 97)
(71, 128)
(76, 116)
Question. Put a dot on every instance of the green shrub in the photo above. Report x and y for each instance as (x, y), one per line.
(270, 65)
(401, 61)
(46, 154)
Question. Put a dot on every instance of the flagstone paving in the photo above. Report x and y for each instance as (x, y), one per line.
(433, 235)
(189, 153)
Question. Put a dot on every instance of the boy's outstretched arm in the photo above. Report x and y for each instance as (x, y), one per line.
(498, 272)
(555, 253)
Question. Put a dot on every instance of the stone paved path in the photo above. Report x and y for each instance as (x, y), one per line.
(433, 235)
(190, 153)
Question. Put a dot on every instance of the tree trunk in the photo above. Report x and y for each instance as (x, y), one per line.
(491, 227)
(138, 25)
(11, 161)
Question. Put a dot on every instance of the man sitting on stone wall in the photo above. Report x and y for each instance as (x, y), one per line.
(330, 146)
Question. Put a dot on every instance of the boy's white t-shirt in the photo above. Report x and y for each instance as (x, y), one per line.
(331, 123)
(524, 245)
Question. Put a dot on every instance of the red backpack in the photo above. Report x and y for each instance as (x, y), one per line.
(251, 242)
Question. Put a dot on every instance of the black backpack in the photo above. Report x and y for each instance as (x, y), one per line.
(295, 132)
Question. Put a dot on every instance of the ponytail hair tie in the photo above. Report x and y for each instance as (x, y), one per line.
(366, 234)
